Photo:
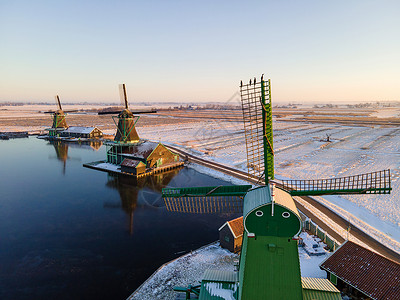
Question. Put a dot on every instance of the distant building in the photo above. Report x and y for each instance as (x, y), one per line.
(363, 274)
(81, 132)
(231, 235)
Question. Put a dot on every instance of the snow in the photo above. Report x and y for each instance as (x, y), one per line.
(186, 270)
(312, 245)
(216, 289)
(79, 129)
(107, 166)
(189, 269)
(386, 113)
(301, 152)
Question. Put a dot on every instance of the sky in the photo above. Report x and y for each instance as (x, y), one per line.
(199, 51)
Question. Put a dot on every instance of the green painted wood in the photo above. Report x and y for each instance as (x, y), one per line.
(340, 192)
(276, 275)
(282, 223)
(267, 130)
(255, 198)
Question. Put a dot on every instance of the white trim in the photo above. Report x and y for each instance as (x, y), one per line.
(231, 230)
(219, 229)
(298, 216)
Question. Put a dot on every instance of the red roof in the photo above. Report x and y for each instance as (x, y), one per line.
(367, 271)
(235, 226)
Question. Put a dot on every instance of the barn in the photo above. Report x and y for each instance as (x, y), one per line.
(231, 235)
(153, 155)
(363, 274)
(82, 132)
(131, 166)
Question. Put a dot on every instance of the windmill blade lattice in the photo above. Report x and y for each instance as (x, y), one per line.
(257, 119)
(370, 183)
(213, 199)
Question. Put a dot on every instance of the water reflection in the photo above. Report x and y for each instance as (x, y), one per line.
(145, 191)
(61, 148)
(205, 205)
(61, 152)
(72, 247)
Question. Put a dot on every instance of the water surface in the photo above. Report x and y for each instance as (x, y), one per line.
(68, 232)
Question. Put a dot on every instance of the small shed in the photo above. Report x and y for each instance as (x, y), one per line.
(131, 166)
(360, 272)
(231, 235)
(82, 132)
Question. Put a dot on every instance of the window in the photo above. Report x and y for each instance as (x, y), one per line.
(286, 214)
(333, 278)
(259, 213)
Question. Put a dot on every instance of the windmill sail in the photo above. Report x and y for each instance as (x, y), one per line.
(213, 199)
(257, 119)
(58, 102)
(123, 96)
(370, 183)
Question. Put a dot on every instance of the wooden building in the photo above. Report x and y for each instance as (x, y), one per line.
(153, 155)
(231, 235)
(131, 166)
(363, 274)
(81, 132)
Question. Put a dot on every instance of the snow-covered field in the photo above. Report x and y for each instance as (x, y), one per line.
(303, 153)
(301, 149)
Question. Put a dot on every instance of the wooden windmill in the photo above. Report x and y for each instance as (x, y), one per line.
(59, 116)
(269, 265)
(59, 124)
(125, 121)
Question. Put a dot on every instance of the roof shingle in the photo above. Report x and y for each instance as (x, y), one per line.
(369, 272)
(236, 226)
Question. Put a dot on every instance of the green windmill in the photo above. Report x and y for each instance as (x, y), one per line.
(59, 124)
(126, 135)
(269, 266)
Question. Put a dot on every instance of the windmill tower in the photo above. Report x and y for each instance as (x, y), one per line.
(59, 124)
(269, 266)
(59, 116)
(126, 136)
(125, 121)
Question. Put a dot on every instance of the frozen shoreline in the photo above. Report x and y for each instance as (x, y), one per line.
(189, 268)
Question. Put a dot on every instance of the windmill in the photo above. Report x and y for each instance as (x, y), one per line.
(269, 265)
(59, 116)
(126, 132)
(126, 135)
(125, 120)
(59, 124)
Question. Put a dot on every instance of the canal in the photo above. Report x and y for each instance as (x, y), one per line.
(68, 232)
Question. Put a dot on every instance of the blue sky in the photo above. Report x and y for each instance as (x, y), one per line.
(199, 50)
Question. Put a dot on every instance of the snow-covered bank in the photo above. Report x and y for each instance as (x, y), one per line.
(189, 269)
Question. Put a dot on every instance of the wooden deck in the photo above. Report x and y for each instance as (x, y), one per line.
(117, 170)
